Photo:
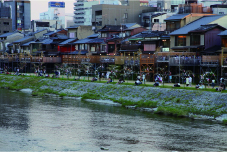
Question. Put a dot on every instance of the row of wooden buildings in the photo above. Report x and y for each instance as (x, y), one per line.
(195, 42)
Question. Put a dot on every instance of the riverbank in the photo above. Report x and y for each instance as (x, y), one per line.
(196, 104)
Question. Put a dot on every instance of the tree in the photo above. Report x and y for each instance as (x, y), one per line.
(114, 69)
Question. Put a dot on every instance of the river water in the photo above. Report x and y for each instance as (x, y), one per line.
(51, 124)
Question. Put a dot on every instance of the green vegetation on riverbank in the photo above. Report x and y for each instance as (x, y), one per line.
(169, 101)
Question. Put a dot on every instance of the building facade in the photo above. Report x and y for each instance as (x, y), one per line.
(118, 14)
(20, 14)
(56, 11)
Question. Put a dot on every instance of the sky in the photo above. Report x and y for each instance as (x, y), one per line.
(39, 6)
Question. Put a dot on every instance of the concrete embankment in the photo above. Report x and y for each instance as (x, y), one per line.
(196, 104)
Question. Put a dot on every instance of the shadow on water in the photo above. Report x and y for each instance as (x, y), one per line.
(28, 123)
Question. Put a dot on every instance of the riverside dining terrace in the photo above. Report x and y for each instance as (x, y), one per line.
(147, 64)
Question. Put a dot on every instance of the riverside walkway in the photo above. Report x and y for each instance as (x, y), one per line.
(130, 82)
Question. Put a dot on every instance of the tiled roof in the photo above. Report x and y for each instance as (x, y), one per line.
(47, 41)
(82, 41)
(113, 28)
(27, 44)
(93, 35)
(145, 34)
(23, 39)
(196, 24)
(129, 24)
(176, 17)
(7, 34)
(97, 40)
(224, 33)
(67, 41)
(61, 36)
(52, 32)
(39, 31)
(207, 27)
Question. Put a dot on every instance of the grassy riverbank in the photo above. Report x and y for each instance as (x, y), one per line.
(170, 101)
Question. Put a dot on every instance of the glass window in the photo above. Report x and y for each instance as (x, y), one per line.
(104, 48)
(149, 47)
(156, 20)
(195, 40)
(180, 41)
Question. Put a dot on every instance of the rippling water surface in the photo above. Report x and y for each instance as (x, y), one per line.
(38, 124)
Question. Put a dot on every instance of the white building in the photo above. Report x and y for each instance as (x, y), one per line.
(83, 10)
(56, 11)
(208, 3)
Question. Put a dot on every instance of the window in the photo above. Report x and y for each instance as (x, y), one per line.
(85, 46)
(195, 40)
(71, 35)
(180, 41)
(6, 32)
(6, 23)
(126, 15)
(156, 20)
(149, 47)
(93, 49)
(103, 48)
(220, 13)
(104, 34)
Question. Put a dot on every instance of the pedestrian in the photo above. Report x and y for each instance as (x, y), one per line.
(190, 81)
(18, 70)
(212, 83)
(187, 81)
(170, 77)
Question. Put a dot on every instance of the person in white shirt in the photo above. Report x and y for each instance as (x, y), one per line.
(190, 81)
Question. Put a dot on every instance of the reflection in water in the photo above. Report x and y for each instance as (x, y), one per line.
(28, 123)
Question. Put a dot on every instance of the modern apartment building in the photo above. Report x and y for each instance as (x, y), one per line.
(20, 13)
(83, 10)
(56, 11)
(104, 14)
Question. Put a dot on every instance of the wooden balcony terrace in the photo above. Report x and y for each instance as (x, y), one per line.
(74, 59)
(165, 56)
(147, 59)
(176, 61)
(210, 61)
(129, 60)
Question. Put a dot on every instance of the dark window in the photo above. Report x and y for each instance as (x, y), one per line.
(104, 48)
(6, 23)
(180, 41)
(156, 20)
(195, 40)
(172, 26)
(6, 32)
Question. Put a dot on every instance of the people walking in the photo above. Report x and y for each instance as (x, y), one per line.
(190, 81)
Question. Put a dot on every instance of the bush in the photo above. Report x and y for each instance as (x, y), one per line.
(172, 111)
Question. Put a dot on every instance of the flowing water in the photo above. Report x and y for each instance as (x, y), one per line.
(36, 124)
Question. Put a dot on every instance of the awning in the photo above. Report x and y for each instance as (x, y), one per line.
(135, 39)
(128, 50)
(52, 53)
(78, 52)
(187, 47)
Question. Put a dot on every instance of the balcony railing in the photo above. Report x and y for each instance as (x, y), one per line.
(107, 59)
(176, 61)
(51, 59)
(131, 47)
(147, 59)
(131, 61)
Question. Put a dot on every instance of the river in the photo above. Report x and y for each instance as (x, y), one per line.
(52, 124)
